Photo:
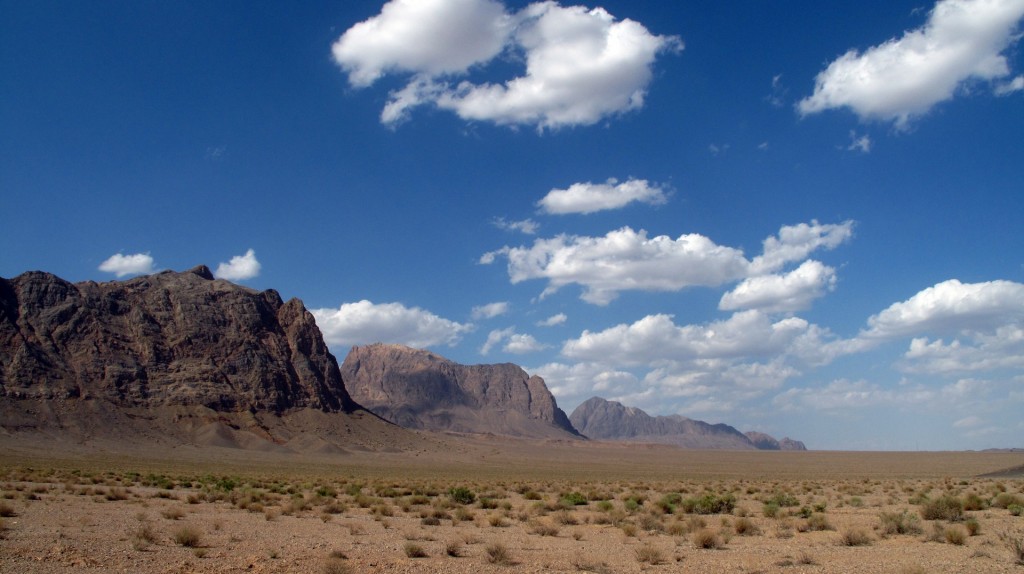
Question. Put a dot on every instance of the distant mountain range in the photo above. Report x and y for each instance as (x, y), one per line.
(182, 357)
(598, 418)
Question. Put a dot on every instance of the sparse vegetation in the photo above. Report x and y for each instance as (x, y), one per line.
(648, 554)
(498, 553)
(944, 508)
(188, 536)
(855, 537)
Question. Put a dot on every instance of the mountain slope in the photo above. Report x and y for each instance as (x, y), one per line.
(601, 419)
(181, 354)
(419, 389)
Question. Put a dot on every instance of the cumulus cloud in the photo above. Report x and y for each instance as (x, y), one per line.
(490, 310)
(785, 293)
(591, 197)
(239, 268)
(951, 306)
(432, 37)
(657, 338)
(625, 259)
(796, 242)
(904, 77)
(581, 65)
(515, 343)
(122, 265)
(978, 352)
(553, 320)
(365, 322)
(581, 381)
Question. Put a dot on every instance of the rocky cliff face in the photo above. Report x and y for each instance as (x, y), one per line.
(169, 339)
(419, 389)
(600, 419)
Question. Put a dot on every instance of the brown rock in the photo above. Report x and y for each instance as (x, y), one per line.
(164, 340)
(419, 389)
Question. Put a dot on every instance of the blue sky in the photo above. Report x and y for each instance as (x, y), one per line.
(793, 218)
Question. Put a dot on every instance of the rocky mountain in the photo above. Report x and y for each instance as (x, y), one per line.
(767, 442)
(600, 419)
(419, 389)
(90, 357)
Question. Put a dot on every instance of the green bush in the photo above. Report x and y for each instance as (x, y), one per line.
(462, 495)
(783, 499)
(574, 499)
(709, 504)
(902, 523)
(944, 508)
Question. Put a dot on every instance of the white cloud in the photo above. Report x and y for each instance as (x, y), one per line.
(623, 259)
(951, 306)
(1002, 349)
(490, 310)
(793, 291)
(591, 197)
(431, 37)
(796, 242)
(515, 343)
(859, 143)
(628, 260)
(581, 65)
(904, 77)
(841, 395)
(581, 381)
(527, 226)
(364, 322)
(122, 265)
(1014, 85)
(239, 268)
(657, 338)
(553, 320)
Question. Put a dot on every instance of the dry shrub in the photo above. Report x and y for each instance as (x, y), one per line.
(901, 523)
(648, 554)
(543, 528)
(855, 537)
(413, 550)
(143, 536)
(188, 536)
(172, 513)
(453, 549)
(6, 510)
(707, 539)
(955, 535)
(745, 527)
(943, 508)
(818, 522)
(498, 553)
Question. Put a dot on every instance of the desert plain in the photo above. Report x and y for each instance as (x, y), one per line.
(463, 503)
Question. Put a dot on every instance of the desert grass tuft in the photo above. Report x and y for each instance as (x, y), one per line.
(648, 554)
(188, 536)
(498, 553)
(706, 539)
(855, 537)
(413, 550)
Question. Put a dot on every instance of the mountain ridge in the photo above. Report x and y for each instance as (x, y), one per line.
(601, 419)
(419, 389)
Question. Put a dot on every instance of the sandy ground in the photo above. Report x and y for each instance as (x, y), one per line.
(103, 511)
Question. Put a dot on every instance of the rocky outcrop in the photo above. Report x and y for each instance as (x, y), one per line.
(164, 340)
(600, 419)
(767, 442)
(421, 390)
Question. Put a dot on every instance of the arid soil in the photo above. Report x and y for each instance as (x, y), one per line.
(485, 504)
